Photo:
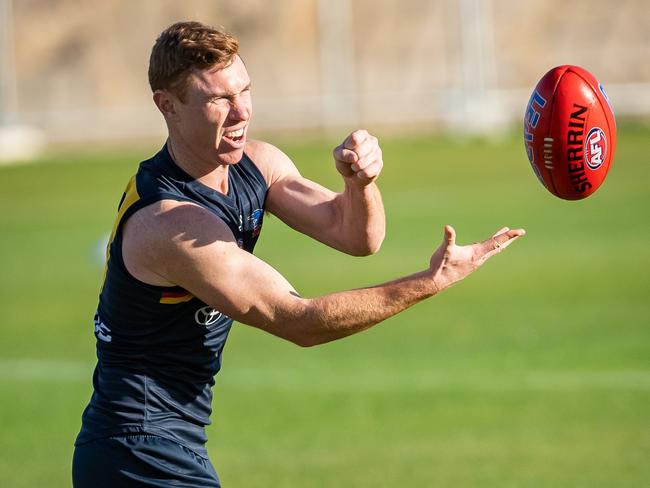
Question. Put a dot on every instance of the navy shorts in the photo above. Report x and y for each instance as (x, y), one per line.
(140, 461)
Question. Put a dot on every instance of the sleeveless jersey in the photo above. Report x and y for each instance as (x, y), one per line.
(158, 348)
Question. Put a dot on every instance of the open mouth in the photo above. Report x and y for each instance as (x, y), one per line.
(235, 135)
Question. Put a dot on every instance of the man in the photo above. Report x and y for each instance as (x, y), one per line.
(180, 266)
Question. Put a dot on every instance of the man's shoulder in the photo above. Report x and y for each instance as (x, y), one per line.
(256, 147)
(168, 217)
(272, 162)
(158, 235)
(162, 225)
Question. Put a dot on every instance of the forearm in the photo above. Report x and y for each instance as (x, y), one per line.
(360, 219)
(248, 290)
(330, 317)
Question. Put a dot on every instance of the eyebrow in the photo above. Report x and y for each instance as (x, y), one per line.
(226, 94)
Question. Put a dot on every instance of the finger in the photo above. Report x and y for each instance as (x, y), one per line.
(499, 249)
(498, 243)
(345, 155)
(450, 235)
(374, 157)
(370, 158)
(367, 148)
(500, 239)
(501, 231)
(355, 139)
(370, 172)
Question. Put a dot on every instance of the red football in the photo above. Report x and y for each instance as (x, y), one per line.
(570, 132)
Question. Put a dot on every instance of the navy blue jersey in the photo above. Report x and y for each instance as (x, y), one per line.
(158, 348)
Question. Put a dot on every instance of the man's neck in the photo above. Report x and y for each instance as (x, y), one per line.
(209, 173)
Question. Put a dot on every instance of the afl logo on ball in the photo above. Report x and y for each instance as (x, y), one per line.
(207, 316)
(595, 148)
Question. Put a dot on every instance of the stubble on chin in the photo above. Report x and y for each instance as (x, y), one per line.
(230, 157)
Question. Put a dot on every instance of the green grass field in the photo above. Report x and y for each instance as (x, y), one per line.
(535, 372)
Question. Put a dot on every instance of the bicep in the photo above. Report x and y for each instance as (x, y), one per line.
(304, 205)
(205, 260)
(233, 281)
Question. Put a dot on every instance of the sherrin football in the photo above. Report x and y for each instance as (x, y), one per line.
(570, 132)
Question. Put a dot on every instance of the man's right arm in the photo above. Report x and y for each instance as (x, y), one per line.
(185, 245)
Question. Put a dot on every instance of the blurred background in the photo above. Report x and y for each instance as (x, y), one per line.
(534, 372)
(76, 71)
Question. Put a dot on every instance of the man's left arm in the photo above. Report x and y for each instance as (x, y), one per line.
(352, 221)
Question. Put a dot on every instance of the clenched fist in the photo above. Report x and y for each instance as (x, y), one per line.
(359, 158)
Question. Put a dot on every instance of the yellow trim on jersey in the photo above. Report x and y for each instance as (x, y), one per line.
(130, 196)
(173, 300)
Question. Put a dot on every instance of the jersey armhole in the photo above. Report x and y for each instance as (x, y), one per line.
(115, 250)
(257, 172)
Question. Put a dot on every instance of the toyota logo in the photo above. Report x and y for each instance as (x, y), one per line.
(207, 316)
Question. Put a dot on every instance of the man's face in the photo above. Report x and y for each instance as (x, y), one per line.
(213, 121)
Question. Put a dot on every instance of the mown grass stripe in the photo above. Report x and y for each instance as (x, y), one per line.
(27, 370)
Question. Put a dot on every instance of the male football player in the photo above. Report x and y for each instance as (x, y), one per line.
(180, 266)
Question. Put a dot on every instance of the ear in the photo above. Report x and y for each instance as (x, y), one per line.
(166, 103)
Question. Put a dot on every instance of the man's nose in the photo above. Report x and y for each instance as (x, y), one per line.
(239, 110)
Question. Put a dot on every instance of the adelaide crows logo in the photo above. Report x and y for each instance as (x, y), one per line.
(255, 220)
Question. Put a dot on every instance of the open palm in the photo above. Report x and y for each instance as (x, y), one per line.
(451, 263)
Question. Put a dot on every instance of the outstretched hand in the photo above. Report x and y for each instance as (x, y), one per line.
(451, 263)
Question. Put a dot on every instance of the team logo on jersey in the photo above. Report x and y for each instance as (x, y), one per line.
(595, 148)
(102, 331)
(207, 316)
(256, 221)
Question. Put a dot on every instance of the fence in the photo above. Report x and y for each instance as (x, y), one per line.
(76, 71)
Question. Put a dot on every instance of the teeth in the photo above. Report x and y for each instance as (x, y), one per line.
(236, 133)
